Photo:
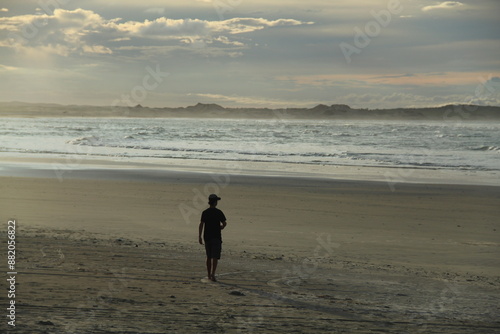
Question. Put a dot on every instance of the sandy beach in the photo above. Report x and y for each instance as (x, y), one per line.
(116, 251)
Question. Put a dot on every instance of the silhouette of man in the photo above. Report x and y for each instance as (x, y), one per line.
(213, 220)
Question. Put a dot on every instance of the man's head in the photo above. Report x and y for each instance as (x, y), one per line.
(212, 199)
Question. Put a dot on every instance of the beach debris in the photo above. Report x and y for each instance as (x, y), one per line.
(46, 323)
(123, 241)
(113, 300)
(236, 293)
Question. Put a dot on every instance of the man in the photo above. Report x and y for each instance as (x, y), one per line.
(214, 221)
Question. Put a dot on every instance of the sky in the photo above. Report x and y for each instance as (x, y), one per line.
(251, 53)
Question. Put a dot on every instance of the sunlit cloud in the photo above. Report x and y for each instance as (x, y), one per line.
(166, 28)
(4, 9)
(86, 32)
(443, 5)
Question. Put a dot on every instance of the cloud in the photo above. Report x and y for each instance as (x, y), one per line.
(4, 9)
(165, 28)
(7, 68)
(443, 5)
(63, 33)
(408, 79)
(155, 10)
(82, 31)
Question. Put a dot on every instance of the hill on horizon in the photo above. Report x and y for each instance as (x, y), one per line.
(320, 111)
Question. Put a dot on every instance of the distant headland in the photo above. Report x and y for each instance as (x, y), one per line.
(202, 110)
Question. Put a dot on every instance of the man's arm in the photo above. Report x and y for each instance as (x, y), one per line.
(200, 231)
(223, 224)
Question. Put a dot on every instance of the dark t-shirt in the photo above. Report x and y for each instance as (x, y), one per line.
(212, 217)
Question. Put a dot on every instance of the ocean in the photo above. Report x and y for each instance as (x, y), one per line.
(405, 144)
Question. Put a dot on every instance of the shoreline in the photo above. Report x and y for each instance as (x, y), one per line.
(81, 167)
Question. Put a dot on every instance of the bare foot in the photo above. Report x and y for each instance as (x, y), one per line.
(213, 278)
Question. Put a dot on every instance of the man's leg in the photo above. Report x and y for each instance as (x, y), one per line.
(214, 267)
(209, 267)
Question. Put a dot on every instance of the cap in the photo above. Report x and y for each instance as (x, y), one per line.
(213, 197)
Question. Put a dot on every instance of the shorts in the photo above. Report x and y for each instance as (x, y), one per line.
(213, 248)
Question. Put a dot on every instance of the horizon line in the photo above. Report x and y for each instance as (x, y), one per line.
(239, 107)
